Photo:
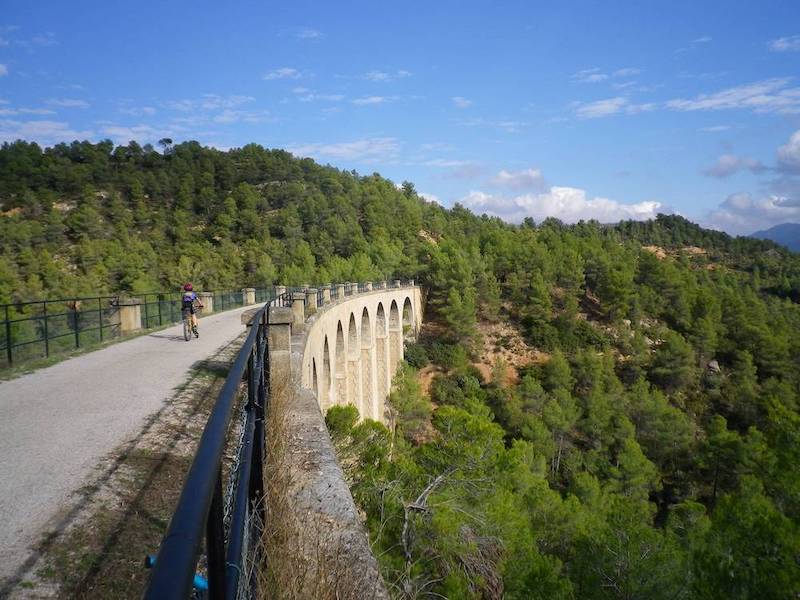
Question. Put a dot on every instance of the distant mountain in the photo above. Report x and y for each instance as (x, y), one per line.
(786, 234)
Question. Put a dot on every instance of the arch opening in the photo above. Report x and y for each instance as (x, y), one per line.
(353, 365)
(324, 396)
(367, 408)
(340, 370)
(409, 324)
(395, 339)
(314, 382)
(382, 377)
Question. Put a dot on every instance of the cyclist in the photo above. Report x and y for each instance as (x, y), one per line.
(188, 303)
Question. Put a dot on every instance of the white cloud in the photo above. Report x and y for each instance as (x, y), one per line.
(527, 179)
(385, 77)
(136, 111)
(715, 128)
(766, 96)
(283, 73)
(596, 75)
(247, 116)
(25, 111)
(789, 154)
(216, 102)
(626, 72)
(507, 126)
(565, 203)
(306, 95)
(377, 76)
(728, 164)
(367, 100)
(367, 150)
(36, 111)
(141, 133)
(702, 40)
(210, 102)
(429, 197)
(306, 33)
(786, 44)
(461, 102)
(3, 70)
(541, 201)
(589, 76)
(610, 106)
(68, 102)
(741, 213)
(44, 132)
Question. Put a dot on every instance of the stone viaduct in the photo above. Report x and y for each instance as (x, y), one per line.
(327, 347)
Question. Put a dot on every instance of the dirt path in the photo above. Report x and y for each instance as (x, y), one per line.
(57, 425)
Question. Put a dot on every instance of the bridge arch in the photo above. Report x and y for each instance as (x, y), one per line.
(364, 332)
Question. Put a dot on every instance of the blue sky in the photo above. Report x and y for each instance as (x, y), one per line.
(603, 109)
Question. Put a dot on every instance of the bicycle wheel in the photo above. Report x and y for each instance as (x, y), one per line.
(187, 329)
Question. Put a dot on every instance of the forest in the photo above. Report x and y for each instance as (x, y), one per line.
(649, 451)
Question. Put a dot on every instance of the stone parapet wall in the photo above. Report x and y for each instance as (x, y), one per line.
(316, 545)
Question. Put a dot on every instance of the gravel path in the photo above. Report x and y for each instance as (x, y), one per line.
(56, 424)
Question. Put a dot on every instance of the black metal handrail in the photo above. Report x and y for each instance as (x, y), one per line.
(199, 513)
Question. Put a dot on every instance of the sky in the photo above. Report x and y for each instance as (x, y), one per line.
(573, 109)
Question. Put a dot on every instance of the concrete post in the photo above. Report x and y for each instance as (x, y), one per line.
(311, 301)
(207, 300)
(298, 310)
(130, 315)
(279, 330)
(411, 283)
(326, 294)
(368, 286)
(280, 289)
(248, 296)
(340, 290)
(383, 284)
(397, 283)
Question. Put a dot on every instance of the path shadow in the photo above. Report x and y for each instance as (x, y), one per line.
(218, 368)
(168, 337)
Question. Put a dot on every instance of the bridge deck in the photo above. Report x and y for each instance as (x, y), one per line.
(56, 424)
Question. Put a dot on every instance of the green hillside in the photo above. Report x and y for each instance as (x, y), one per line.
(649, 451)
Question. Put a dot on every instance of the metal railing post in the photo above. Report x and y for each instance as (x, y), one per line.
(46, 333)
(215, 543)
(99, 317)
(8, 338)
(77, 325)
(146, 318)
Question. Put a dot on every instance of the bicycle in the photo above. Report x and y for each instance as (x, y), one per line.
(187, 324)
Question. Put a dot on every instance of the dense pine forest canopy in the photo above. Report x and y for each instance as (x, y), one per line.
(649, 448)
